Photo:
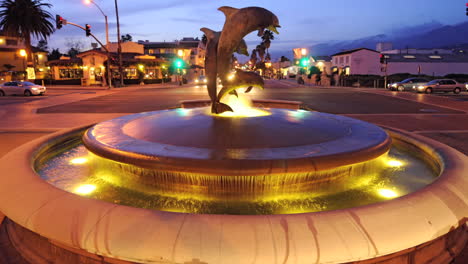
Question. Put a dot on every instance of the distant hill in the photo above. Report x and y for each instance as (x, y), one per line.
(431, 35)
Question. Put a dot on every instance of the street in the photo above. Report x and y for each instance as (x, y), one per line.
(440, 116)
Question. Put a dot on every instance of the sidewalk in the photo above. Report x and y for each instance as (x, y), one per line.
(131, 86)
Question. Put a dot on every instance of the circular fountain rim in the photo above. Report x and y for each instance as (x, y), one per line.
(106, 229)
(355, 141)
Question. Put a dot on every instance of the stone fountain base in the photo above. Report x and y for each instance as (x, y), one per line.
(49, 225)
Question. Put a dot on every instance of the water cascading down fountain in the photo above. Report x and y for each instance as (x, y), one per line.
(219, 185)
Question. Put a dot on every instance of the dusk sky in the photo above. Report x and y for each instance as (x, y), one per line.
(304, 22)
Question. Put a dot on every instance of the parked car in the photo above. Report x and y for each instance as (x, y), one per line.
(440, 85)
(407, 84)
(21, 88)
(466, 86)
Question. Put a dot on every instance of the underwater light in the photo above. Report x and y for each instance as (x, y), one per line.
(77, 161)
(85, 189)
(394, 163)
(387, 193)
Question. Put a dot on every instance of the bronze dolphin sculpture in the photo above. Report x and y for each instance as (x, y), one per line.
(241, 79)
(211, 69)
(235, 28)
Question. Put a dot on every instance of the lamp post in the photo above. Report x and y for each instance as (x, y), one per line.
(119, 48)
(109, 83)
(23, 54)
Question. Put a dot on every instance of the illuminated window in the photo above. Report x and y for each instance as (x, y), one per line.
(151, 51)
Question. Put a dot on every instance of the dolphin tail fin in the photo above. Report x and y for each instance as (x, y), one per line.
(219, 108)
(234, 92)
(210, 34)
(248, 89)
(228, 11)
(242, 48)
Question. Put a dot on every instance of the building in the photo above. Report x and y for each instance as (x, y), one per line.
(191, 50)
(13, 59)
(360, 61)
(89, 67)
(433, 62)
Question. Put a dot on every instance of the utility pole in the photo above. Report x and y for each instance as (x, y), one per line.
(119, 48)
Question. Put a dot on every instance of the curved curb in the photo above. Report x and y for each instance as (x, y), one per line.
(141, 235)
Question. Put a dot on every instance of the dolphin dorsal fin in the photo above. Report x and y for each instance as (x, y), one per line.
(228, 11)
(210, 34)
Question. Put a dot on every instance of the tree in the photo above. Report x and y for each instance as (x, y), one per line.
(253, 57)
(72, 52)
(26, 19)
(267, 38)
(74, 47)
(42, 45)
(283, 59)
(204, 39)
(54, 55)
(126, 38)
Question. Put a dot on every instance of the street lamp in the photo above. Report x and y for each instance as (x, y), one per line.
(23, 53)
(88, 2)
(119, 46)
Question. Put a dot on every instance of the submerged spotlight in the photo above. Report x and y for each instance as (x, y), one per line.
(77, 161)
(85, 189)
(387, 193)
(394, 163)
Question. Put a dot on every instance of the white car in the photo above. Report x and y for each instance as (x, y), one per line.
(21, 88)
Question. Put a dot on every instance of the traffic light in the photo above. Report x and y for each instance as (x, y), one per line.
(382, 59)
(58, 21)
(179, 63)
(88, 30)
(304, 62)
(466, 9)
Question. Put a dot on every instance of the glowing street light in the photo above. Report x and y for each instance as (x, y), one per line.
(303, 52)
(24, 54)
(180, 53)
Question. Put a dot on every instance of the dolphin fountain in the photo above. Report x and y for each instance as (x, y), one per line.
(188, 185)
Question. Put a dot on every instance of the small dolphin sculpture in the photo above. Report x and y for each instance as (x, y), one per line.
(242, 79)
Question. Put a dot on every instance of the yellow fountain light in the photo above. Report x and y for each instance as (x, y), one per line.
(85, 189)
(242, 107)
(231, 77)
(394, 163)
(79, 161)
(387, 193)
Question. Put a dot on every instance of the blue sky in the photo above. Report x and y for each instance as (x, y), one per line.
(304, 22)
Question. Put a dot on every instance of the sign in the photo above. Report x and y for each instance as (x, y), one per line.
(31, 73)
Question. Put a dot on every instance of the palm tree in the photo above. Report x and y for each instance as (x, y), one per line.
(26, 19)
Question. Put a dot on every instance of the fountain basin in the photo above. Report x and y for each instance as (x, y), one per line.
(188, 151)
(424, 226)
